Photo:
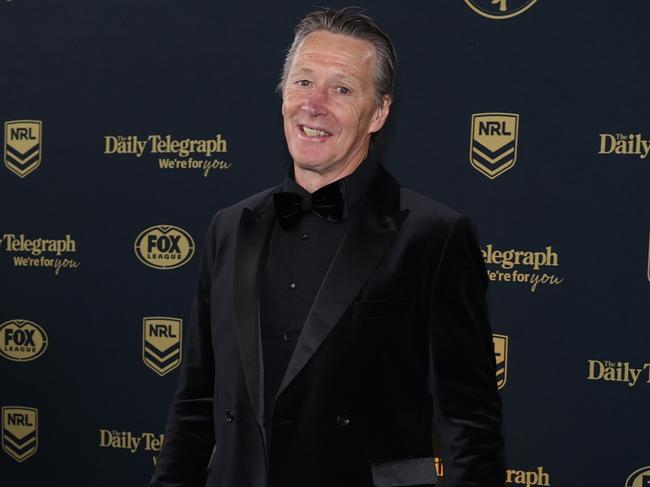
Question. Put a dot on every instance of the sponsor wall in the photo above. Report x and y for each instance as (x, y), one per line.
(126, 125)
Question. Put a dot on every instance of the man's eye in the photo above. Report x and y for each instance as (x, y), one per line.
(303, 82)
(342, 90)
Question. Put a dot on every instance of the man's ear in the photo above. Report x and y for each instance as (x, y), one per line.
(380, 114)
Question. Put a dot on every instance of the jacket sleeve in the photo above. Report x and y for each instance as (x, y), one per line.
(467, 404)
(189, 433)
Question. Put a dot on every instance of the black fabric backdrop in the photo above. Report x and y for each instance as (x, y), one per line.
(574, 73)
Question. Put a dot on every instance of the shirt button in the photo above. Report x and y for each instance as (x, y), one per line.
(285, 337)
(229, 415)
(292, 285)
(304, 236)
(343, 420)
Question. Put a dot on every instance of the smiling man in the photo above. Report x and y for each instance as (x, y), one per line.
(339, 316)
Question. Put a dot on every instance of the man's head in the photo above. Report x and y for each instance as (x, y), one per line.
(337, 87)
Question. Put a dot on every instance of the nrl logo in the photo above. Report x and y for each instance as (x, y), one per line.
(162, 343)
(500, 9)
(501, 354)
(23, 146)
(19, 432)
(493, 147)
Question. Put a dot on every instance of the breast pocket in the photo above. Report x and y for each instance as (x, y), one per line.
(383, 308)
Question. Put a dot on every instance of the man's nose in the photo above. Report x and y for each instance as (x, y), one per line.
(316, 102)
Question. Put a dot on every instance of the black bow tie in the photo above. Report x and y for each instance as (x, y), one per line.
(327, 202)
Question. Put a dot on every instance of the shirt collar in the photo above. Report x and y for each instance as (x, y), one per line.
(353, 186)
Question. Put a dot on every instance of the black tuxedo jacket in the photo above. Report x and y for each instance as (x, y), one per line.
(397, 334)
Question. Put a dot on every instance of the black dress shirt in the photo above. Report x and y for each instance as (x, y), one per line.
(297, 261)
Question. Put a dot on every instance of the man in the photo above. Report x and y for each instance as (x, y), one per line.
(336, 314)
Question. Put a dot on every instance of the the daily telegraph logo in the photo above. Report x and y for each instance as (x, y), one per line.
(500, 9)
(164, 247)
(528, 477)
(622, 372)
(493, 142)
(54, 254)
(19, 432)
(624, 144)
(172, 153)
(639, 478)
(22, 340)
(131, 442)
(23, 146)
(523, 267)
(501, 354)
(162, 343)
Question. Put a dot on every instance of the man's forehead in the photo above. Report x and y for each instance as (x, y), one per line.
(324, 43)
(346, 55)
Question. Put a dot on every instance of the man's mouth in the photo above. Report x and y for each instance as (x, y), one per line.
(314, 132)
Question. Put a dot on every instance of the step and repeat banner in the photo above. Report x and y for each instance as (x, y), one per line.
(127, 124)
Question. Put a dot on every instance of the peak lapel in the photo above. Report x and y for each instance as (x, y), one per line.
(372, 230)
(252, 242)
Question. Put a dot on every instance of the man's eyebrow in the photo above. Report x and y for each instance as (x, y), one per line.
(338, 75)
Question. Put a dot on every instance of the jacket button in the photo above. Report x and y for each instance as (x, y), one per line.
(343, 420)
(229, 415)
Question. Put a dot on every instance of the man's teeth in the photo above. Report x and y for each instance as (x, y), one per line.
(314, 132)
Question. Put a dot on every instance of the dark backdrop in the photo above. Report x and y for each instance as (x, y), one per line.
(575, 73)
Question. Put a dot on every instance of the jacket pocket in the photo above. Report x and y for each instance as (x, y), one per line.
(406, 472)
(383, 308)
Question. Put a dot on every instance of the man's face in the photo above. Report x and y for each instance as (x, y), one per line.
(328, 103)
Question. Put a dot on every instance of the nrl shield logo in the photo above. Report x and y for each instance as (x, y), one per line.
(493, 148)
(162, 343)
(501, 354)
(500, 9)
(23, 148)
(19, 432)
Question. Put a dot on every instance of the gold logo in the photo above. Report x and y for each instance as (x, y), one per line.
(639, 478)
(164, 247)
(622, 372)
(528, 477)
(500, 9)
(501, 354)
(162, 343)
(22, 340)
(493, 144)
(522, 267)
(624, 144)
(23, 147)
(648, 257)
(19, 432)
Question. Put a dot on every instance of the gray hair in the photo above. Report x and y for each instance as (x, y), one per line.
(349, 21)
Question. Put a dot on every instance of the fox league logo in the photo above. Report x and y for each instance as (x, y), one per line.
(19, 432)
(500, 9)
(162, 343)
(501, 354)
(23, 147)
(493, 142)
(639, 478)
(22, 340)
(164, 247)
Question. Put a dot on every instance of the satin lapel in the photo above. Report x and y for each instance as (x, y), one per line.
(371, 233)
(252, 241)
